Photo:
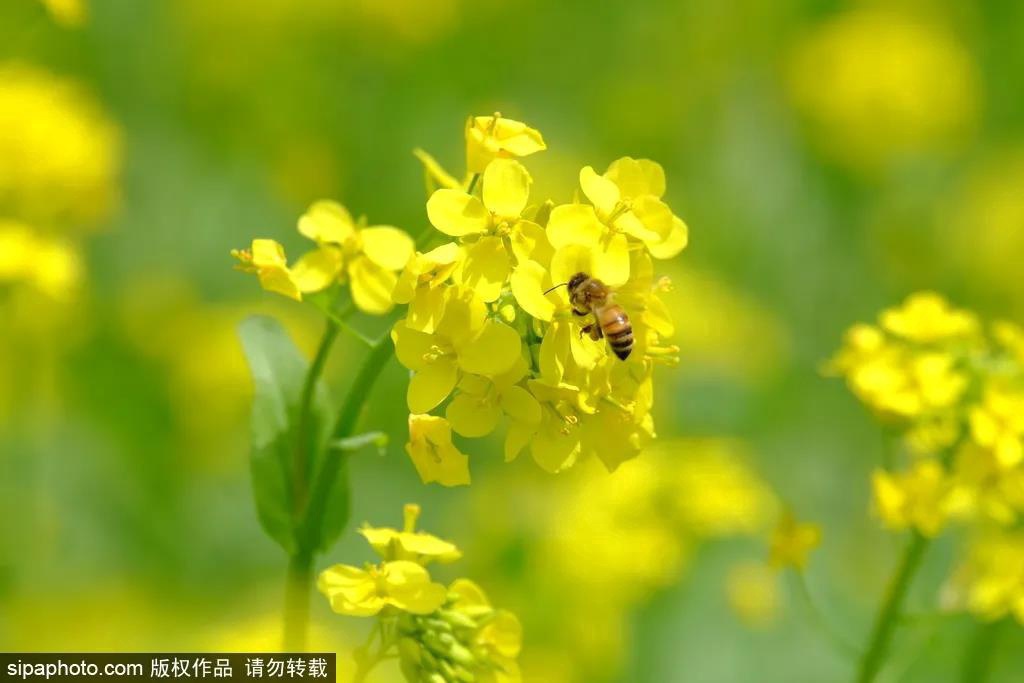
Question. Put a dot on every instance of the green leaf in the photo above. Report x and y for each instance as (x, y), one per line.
(379, 440)
(279, 372)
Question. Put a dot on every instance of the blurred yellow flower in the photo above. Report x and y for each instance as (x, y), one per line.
(432, 452)
(71, 13)
(998, 424)
(792, 542)
(753, 592)
(492, 137)
(49, 265)
(365, 592)
(60, 154)
(926, 317)
(409, 544)
(990, 583)
(267, 260)
(921, 498)
(882, 99)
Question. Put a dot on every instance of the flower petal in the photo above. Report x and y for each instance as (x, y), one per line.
(317, 269)
(637, 177)
(573, 224)
(485, 268)
(371, 286)
(431, 385)
(492, 352)
(327, 221)
(386, 246)
(602, 193)
(529, 281)
(472, 416)
(506, 187)
(677, 239)
(456, 213)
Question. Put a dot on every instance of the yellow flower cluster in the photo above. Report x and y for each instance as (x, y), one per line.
(654, 515)
(882, 100)
(990, 583)
(59, 153)
(365, 258)
(957, 396)
(491, 333)
(954, 390)
(48, 264)
(439, 634)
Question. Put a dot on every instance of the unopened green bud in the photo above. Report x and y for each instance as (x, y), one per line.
(458, 619)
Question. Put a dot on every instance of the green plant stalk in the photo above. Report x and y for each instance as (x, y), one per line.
(889, 613)
(312, 496)
(978, 659)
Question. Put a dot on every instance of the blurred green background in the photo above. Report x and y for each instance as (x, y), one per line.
(828, 157)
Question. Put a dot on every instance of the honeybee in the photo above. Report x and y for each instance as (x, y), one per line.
(588, 295)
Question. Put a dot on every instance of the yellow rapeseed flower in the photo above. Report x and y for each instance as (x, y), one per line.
(464, 341)
(792, 542)
(409, 544)
(491, 137)
(921, 498)
(435, 456)
(267, 260)
(990, 584)
(50, 265)
(365, 592)
(60, 154)
(883, 100)
(926, 317)
(499, 234)
(365, 258)
(998, 425)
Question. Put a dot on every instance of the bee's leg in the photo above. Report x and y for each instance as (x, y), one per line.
(593, 329)
(579, 313)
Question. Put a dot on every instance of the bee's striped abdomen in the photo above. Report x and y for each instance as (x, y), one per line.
(616, 327)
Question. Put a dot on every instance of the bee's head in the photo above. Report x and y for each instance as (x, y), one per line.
(577, 280)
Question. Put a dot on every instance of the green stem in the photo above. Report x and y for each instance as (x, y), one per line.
(296, 601)
(978, 659)
(348, 419)
(888, 614)
(301, 461)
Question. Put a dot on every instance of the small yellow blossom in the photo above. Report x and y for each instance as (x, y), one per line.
(266, 258)
(72, 13)
(883, 100)
(465, 341)
(365, 592)
(926, 317)
(985, 488)
(998, 424)
(60, 154)
(990, 584)
(364, 257)
(499, 233)
(432, 452)
(409, 544)
(50, 265)
(491, 137)
(419, 285)
(920, 498)
(792, 542)
(753, 592)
